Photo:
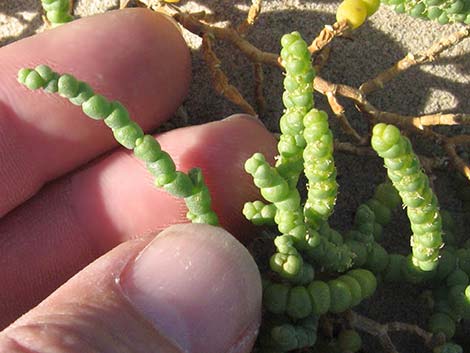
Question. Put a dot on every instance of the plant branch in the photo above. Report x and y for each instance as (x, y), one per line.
(351, 148)
(382, 331)
(327, 34)
(411, 60)
(339, 111)
(220, 80)
(199, 28)
(253, 13)
(258, 82)
(321, 58)
(459, 139)
(331, 90)
(405, 122)
(441, 119)
(373, 328)
(427, 337)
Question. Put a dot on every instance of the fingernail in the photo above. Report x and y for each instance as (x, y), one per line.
(245, 116)
(199, 288)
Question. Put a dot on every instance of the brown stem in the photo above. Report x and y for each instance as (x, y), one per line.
(427, 163)
(405, 122)
(373, 328)
(220, 80)
(441, 119)
(410, 60)
(253, 13)
(327, 34)
(321, 58)
(259, 95)
(427, 337)
(331, 90)
(459, 139)
(458, 162)
(251, 52)
(382, 331)
(339, 111)
(350, 148)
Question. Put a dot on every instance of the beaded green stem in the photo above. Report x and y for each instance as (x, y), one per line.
(57, 11)
(128, 133)
(319, 168)
(404, 170)
(306, 142)
(281, 336)
(298, 100)
(442, 11)
(320, 297)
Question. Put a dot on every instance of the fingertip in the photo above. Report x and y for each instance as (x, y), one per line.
(134, 56)
(220, 149)
(197, 281)
(193, 288)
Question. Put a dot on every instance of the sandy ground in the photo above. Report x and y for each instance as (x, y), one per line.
(385, 38)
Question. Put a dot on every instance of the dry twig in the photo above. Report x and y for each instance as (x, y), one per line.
(428, 338)
(197, 27)
(327, 34)
(253, 13)
(373, 328)
(339, 111)
(459, 139)
(410, 60)
(321, 58)
(441, 119)
(351, 148)
(331, 90)
(405, 122)
(456, 160)
(259, 95)
(220, 80)
(381, 331)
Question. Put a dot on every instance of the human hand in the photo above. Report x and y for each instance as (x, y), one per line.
(193, 288)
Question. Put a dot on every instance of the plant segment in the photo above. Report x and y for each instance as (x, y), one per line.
(306, 144)
(315, 270)
(355, 12)
(442, 11)
(404, 170)
(190, 186)
(57, 11)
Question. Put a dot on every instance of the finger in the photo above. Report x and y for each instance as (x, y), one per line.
(194, 288)
(134, 56)
(71, 222)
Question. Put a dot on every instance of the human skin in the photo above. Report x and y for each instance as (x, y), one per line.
(97, 223)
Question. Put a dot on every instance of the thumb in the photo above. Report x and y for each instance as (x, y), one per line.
(194, 288)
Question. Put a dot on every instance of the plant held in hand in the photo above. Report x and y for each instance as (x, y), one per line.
(190, 186)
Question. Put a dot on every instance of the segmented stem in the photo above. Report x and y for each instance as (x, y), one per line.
(128, 133)
(319, 168)
(404, 170)
(298, 100)
(57, 11)
(442, 11)
(280, 335)
(319, 297)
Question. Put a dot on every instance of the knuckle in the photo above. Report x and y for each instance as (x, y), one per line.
(45, 338)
